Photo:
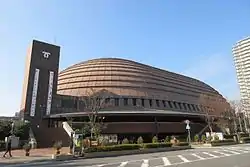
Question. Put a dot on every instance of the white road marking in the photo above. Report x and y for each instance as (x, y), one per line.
(123, 164)
(230, 151)
(197, 156)
(145, 163)
(221, 153)
(183, 158)
(211, 155)
(165, 161)
(237, 149)
(100, 165)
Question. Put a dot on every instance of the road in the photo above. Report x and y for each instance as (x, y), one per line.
(227, 156)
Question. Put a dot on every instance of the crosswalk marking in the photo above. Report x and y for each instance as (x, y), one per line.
(211, 155)
(197, 156)
(221, 153)
(183, 158)
(145, 163)
(165, 161)
(123, 164)
(230, 151)
(237, 149)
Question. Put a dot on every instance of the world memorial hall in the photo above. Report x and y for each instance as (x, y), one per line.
(137, 99)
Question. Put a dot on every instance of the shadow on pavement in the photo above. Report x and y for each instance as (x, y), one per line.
(48, 162)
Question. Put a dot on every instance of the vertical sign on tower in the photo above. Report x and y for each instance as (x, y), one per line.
(50, 88)
(34, 93)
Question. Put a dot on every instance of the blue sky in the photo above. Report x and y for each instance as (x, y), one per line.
(192, 37)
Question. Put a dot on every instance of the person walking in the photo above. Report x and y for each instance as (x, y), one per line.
(8, 147)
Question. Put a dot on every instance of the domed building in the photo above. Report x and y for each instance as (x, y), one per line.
(134, 99)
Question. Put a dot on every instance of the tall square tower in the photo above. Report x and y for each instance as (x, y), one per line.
(40, 80)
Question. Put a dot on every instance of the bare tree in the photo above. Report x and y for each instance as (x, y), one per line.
(93, 102)
(205, 103)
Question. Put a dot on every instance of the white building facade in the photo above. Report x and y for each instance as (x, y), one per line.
(241, 53)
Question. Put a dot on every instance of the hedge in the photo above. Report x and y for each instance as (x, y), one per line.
(229, 136)
(244, 135)
(181, 144)
(156, 145)
(223, 141)
(114, 148)
(129, 147)
(245, 139)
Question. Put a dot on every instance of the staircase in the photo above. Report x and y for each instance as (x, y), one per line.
(67, 128)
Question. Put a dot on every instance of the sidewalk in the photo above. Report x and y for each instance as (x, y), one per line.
(35, 155)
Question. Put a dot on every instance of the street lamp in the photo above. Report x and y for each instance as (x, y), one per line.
(12, 128)
(188, 129)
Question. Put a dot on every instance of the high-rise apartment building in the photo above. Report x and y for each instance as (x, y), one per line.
(241, 53)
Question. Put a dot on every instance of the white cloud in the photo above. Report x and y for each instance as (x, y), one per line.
(218, 71)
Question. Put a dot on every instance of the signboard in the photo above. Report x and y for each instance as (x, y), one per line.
(51, 78)
(34, 93)
(187, 126)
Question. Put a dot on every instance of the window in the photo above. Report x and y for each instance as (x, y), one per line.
(134, 101)
(170, 104)
(69, 103)
(164, 103)
(116, 102)
(193, 107)
(184, 105)
(142, 102)
(107, 100)
(179, 104)
(125, 101)
(150, 102)
(157, 103)
(197, 108)
(175, 106)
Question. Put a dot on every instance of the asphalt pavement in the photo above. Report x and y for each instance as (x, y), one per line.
(226, 156)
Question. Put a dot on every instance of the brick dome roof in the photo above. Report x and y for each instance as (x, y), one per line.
(128, 78)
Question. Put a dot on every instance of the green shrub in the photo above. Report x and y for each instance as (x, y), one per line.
(125, 141)
(203, 138)
(114, 148)
(216, 137)
(154, 139)
(167, 139)
(157, 145)
(181, 144)
(196, 138)
(140, 140)
(209, 138)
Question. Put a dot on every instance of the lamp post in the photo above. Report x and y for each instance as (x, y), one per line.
(188, 128)
(12, 128)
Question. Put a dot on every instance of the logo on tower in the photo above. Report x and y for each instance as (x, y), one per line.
(46, 54)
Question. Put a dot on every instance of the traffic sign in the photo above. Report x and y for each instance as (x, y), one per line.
(187, 121)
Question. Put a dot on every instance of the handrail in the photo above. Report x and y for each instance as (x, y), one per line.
(67, 128)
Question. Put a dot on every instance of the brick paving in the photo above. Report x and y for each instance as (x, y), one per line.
(35, 154)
